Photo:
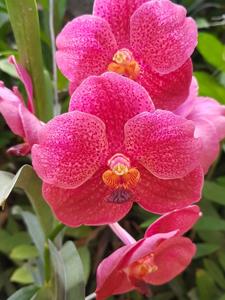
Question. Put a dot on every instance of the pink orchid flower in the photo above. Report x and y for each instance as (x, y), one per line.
(148, 41)
(112, 149)
(209, 119)
(21, 120)
(156, 259)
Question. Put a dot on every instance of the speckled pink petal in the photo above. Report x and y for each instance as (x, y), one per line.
(162, 35)
(161, 196)
(114, 99)
(167, 91)
(71, 149)
(164, 143)
(187, 106)
(86, 46)
(118, 13)
(206, 131)
(84, 205)
(171, 257)
(179, 219)
(9, 108)
(25, 78)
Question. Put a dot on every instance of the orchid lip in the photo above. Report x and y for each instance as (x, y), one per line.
(124, 64)
(121, 178)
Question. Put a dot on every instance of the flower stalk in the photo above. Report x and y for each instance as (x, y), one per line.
(122, 234)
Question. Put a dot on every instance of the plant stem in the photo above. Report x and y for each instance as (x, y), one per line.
(25, 24)
(122, 234)
(54, 67)
(56, 231)
(91, 296)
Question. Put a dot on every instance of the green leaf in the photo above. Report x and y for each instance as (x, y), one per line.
(204, 249)
(27, 180)
(8, 68)
(22, 276)
(208, 86)
(69, 274)
(25, 293)
(210, 224)
(24, 19)
(212, 50)
(33, 227)
(44, 293)
(86, 260)
(214, 192)
(10, 241)
(22, 252)
(215, 272)
(205, 285)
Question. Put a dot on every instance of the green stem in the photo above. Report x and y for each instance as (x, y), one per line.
(25, 24)
(56, 231)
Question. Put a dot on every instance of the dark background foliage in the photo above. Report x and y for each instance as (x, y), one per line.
(205, 278)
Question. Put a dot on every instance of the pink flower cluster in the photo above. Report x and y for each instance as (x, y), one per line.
(136, 132)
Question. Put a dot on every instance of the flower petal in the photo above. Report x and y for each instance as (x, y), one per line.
(206, 130)
(71, 149)
(86, 46)
(179, 219)
(171, 257)
(118, 13)
(185, 108)
(25, 78)
(161, 196)
(167, 91)
(114, 99)
(162, 35)
(31, 125)
(84, 205)
(9, 108)
(164, 143)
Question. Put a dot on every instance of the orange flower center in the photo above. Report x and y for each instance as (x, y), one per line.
(143, 267)
(120, 175)
(124, 63)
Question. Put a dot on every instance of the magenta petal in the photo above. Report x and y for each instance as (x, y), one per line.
(25, 78)
(118, 13)
(114, 99)
(31, 125)
(110, 271)
(167, 91)
(162, 35)
(185, 108)
(164, 143)
(206, 130)
(84, 205)
(71, 149)
(9, 108)
(86, 46)
(171, 257)
(179, 219)
(161, 196)
(19, 150)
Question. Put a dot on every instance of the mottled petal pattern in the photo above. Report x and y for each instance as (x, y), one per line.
(84, 205)
(161, 196)
(162, 35)
(164, 143)
(71, 149)
(118, 14)
(86, 46)
(114, 99)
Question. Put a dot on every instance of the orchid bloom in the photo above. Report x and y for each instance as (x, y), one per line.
(20, 119)
(147, 41)
(112, 149)
(209, 119)
(156, 259)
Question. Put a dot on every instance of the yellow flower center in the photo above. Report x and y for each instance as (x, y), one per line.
(124, 63)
